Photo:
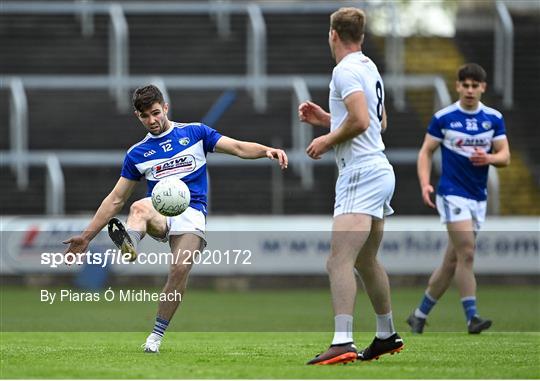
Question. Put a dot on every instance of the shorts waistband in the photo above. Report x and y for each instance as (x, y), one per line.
(379, 160)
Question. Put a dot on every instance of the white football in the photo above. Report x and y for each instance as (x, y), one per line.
(171, 196)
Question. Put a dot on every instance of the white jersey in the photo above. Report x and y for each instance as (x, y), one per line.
(356, 72)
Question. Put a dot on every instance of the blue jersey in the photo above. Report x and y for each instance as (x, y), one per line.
(180, 152)
(460, 132)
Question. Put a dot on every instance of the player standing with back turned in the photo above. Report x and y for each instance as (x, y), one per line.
(363, 190)
(472, 137)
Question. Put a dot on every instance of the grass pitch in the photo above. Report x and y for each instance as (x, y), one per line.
(511, 349)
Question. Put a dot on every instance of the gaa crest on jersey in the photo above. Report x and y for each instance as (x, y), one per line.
(184, 141)
(180, 164)
(149, 153)
(486, 124)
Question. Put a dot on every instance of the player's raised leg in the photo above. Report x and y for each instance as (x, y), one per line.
(184, 248)
(462, 236)
(142, 218)
(438, 283)
(377, 286)
(350, 232)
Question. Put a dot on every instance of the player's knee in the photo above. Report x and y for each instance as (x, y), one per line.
(335, 265)
(466, 255)
(332, 264)
(179, 272)
(140, 209)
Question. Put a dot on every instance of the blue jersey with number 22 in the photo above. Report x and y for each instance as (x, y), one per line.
(460, 132)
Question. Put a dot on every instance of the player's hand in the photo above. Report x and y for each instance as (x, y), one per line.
(318, 147)
(480, 157)
(312, 113)
(280, 155)
(77, 244)
(427, 190)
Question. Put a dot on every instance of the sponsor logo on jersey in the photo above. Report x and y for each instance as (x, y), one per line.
(149, 153)
(165, 142)
(181, 164)
(456, 125)
(486, 125)
(184, 141)
(470, 142)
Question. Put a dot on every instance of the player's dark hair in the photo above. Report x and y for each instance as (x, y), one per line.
(144, 97)
(349, 24)
(472, 71)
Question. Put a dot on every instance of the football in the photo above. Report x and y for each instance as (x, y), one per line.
(171, 196)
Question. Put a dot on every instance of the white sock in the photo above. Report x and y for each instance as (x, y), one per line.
(385, 326)
(343, 329)
(135, 236)
(154, 337)
(419, 314)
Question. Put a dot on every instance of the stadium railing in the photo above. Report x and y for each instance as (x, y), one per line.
(19, 157)
(256, 38)
(54, 177)
(256, 81)
(503, 54)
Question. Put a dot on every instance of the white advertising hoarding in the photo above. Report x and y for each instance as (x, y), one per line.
(277, 245)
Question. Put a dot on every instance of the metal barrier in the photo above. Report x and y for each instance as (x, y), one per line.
(119, 34)
(53, 161)
(118, 56)
(256, 81)
(160, 83)
(394, 55)
(256, 55)
(222, 17)
(256, 38)
(18, 129)
(503, 56)
(441, 95)
(302, 133)
(54, 182)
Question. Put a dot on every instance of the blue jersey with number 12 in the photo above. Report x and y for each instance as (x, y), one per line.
(460, 132)
(179, 152)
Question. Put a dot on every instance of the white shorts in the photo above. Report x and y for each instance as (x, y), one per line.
(366, 190)
(455, 208)
(191, 221)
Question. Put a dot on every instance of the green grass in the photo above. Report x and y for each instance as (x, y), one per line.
(262, 355)
(263, 335)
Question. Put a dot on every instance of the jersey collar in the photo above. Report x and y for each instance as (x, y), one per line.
(173, 125)
(473, 112)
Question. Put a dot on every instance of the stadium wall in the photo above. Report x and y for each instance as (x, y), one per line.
(272, 245)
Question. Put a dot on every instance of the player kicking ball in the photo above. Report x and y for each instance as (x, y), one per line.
(169, 149)
(472, 137)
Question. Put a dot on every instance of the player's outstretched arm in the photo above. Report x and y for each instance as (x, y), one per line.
(312, 113)
(110, 206)
(250, 150)
(425, 158)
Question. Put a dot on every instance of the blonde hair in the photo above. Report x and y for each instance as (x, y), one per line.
(349, 23)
